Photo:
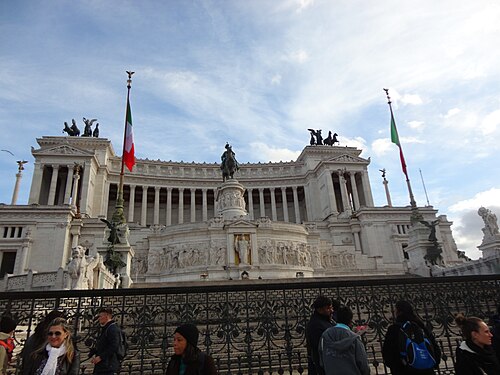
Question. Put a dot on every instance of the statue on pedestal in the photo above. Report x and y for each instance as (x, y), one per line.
(229, 164)
(490, 229)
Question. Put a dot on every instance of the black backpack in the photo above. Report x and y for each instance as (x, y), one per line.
(415, 348)
(122, 345)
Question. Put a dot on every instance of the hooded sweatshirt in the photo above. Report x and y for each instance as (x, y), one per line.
(4, 360)
(342, 352)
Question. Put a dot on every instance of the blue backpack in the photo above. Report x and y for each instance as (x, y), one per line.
(416, 349)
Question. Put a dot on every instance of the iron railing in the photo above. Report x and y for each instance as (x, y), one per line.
(255, 327)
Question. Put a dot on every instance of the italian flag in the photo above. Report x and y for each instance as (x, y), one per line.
(395, 140)
(128, 147)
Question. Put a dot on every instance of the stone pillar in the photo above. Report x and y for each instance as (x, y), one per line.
(144, 207)
(296, 206)
(15, 194)
(250, 204)
(307, 195)
(387, 194)
(285, 204)
(69, 180)
(74, 193)
(181, 206)
(105, 199)
(156, 214)
(131, 204)
(262, 203)
(169, 206)
(273, 205)
(192, 205)
(331, 193)
(53, 185)
(367, 191)
(204, 208)
(230, 200)
(85, 187)
(354, 189)
(36, 184)
(343, 191)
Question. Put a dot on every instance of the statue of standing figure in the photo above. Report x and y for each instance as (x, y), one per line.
(229, 164)
(242, 247)
(490, 229)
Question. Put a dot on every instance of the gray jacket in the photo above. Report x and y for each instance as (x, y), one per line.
(342, 352)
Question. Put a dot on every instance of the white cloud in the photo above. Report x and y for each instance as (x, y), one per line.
(411, 99)
(485, 198)
(490, 122)
(452, 112)
(300, 56)
(276, 80)
(381, 146)
(303, 5)
(267, 153)
(417, 125)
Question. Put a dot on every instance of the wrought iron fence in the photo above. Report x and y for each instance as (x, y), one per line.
(255, 327)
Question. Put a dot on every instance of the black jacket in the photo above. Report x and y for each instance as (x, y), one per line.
(106, 347)
(63, 365)
(390, 351)
(471, 359)
(314, 329)
(207, 366)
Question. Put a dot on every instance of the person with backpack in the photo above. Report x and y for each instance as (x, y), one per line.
(57, 355)
(341, 351)
(188, 359)
(409, 348)
(105, 354)
(475, 356)
(7, 328)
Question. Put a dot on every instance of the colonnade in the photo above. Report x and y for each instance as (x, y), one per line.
(155, 205)
(348, 190)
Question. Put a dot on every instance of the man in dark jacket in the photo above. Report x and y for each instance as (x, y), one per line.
(320, 320)
(104, 354)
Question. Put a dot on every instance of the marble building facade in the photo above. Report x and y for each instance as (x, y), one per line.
(313, 217)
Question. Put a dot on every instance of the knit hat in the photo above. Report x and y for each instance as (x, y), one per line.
(189, 332)
(7, 324)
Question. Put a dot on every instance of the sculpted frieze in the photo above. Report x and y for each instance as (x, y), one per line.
(177, 256)
(336, 259)
(284, 252)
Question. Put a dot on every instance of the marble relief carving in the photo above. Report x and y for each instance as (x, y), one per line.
(285, 252)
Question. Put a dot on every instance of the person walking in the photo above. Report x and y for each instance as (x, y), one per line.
(104, 355)
(392, 347)
(475, 356)
(7, 328)
(58, 356)
(37, 339)
(341, 350)
(320, 320)
(188, 359)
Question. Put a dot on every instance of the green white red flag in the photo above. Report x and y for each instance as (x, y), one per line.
(395, 140)
(128, 147)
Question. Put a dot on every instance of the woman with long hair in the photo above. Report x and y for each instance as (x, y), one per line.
(36, 340)
(475, 354)
(188, 359)
(391, 350)
(57, 355)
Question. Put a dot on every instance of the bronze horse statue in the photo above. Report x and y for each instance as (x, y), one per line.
(331, 139)
(229, 164)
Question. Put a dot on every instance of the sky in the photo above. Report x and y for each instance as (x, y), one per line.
(258, 74)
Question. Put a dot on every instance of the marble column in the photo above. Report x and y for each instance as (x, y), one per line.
(169, 206)
(307, 196)
(273, 205)
(262, 203)
(181, 206)
(85, 187)
(285, 204)
(36, 184)
(354, 189)
(250, 204)
(74, 193)
(367, 191)
(144, 207)
(193, 205)
(204, 205)
(69, 180)
(53, 185)
(296, 206)
(131, 204)
(343, 191)
(156, 212)
(331, 193)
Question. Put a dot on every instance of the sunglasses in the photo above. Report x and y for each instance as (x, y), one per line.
(54, 333)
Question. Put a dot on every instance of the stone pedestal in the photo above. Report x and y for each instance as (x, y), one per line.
(229, 200)
(418, 245)
(490, 248)
(127, 253)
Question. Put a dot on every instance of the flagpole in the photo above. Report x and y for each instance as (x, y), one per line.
(416, 216)
(118, 215)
